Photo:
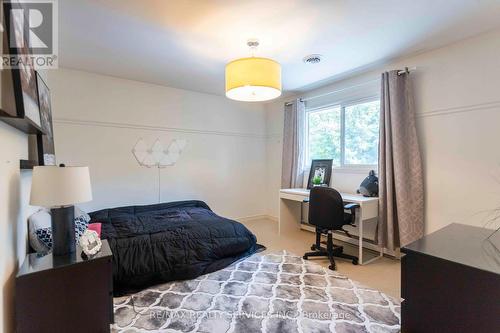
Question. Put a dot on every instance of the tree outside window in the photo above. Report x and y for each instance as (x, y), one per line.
(348, 134)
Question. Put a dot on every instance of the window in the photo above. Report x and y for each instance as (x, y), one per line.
(324, 135)
(346, 133)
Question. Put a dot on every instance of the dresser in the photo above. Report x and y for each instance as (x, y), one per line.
(450, 282)
(65, 294)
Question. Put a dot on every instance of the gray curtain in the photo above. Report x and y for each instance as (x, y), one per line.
(401, 188)
(292, 174)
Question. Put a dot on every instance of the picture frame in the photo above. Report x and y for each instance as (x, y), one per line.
(322, 170)
(24, 77)
(45, 142)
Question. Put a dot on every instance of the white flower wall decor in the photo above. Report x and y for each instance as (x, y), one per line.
(158, 156)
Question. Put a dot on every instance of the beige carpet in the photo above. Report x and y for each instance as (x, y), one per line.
(383, 274)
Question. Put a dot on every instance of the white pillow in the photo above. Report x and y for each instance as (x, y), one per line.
(40, 219)
(82, 214)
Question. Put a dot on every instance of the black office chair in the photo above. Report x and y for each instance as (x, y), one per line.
(327, 213)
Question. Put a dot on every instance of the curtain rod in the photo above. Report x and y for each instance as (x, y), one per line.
(401, 72)
(407, 70)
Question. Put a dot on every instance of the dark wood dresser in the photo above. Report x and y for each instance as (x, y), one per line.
(65, 294)
(450, 282)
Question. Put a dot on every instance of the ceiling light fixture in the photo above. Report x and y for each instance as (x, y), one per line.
(253, 79)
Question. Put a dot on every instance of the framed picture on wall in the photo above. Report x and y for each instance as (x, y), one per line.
(320, 174)
(45, 142)
(24, 77)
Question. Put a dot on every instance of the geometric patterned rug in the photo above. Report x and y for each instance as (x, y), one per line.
(276, 292)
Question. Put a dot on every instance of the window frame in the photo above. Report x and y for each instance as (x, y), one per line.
(362, 168)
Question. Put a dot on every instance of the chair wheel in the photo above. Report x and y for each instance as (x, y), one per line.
(355, 261)
(332, 267)
(305, 257)
(313, 247)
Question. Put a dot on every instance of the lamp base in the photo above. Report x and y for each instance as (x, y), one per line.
(63, 231)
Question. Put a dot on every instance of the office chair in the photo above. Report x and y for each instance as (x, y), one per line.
(327, 213)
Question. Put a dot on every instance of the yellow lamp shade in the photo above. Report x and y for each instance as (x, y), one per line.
(253, 79)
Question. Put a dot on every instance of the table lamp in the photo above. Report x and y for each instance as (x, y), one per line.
(59, 188)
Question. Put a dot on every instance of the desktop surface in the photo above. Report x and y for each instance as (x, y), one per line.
(346, 196)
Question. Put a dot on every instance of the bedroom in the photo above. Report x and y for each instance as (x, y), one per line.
(130, 74)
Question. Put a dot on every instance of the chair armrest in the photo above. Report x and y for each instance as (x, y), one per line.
(351, 206)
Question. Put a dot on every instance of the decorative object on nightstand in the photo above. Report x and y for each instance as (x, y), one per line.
(59, 188)
(65, 293)
(90, 243)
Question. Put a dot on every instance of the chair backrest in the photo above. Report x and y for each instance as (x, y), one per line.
(326, 208)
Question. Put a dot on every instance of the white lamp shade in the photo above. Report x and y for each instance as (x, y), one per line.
(53, 186)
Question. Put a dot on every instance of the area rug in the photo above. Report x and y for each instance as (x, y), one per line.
(276, 292)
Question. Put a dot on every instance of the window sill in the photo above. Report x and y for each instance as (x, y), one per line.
(360, 170)
(352, 170)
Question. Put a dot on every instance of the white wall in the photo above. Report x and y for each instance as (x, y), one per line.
(14, 210)
(98, 119)
(458, 105)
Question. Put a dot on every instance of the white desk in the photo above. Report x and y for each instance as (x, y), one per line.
(290, 214)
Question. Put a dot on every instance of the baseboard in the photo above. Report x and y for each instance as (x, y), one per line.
(273, 218)
(393, 254)
(256, 217)
(354, 241)
(250, 218)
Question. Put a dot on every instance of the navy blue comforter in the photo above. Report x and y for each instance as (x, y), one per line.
(170, 241)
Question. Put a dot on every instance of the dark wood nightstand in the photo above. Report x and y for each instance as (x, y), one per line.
(65, 294)
(450, 282)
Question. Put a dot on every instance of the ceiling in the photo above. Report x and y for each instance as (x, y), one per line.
(186, 44)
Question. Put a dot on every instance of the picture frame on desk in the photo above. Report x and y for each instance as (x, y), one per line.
(320, 169)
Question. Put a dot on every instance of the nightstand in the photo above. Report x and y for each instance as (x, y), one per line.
(65, 294)
(450, 282)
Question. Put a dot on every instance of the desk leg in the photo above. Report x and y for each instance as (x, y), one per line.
(361, 262)
(360, 241)
(380, 255)
(289, 215)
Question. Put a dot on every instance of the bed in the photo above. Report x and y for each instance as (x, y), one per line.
(170, 241)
